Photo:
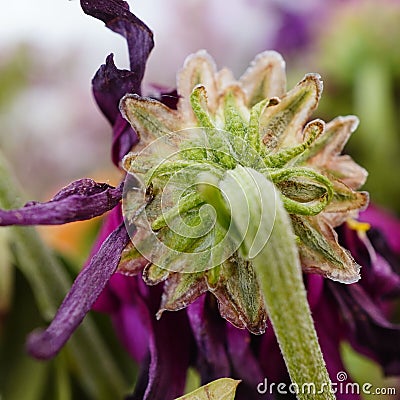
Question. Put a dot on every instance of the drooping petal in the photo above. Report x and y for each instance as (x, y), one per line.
(110, 84)
(209, 332)
(386, 222)
(117, 17)
(81, 200)
(369, 331)
(244, 362)
(170, 356)
(380, 266)
(84, 292)
(163, 376)
(132, 319)
(107, 301)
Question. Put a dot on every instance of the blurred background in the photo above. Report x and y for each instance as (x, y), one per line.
(51, 131)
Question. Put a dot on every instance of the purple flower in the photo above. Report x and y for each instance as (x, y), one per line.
(198, 336)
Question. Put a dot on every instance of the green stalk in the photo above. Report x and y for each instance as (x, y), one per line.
(263, 228)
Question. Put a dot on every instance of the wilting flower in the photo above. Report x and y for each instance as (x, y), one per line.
(251, 122)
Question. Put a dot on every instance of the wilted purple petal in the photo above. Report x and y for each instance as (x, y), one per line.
(132, 319)
(110, 84)
(117, 17)
(379, 275)
(124, 138)
(81, 200)
(387, 223)
(170, 357)
(330, 333)
(370, 332)
(84, 292)
(209, 332)
(244, 363)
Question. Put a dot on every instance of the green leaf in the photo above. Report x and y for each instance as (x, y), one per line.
(221, 389)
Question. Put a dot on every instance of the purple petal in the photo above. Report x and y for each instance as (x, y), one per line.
(209, 332)
(170, 357)
(369, 331)
(117, 17)
(124, 138)
(110, 84)
(108, 301)
(84, 292)
(379, 275)
(330, 334)
(387, 223)
(244, 363)
(81, 200)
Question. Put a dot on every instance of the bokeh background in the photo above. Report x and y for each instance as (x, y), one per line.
(51, 131)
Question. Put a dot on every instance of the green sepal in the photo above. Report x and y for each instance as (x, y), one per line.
(153, 274)
(150, 118)
(279, 124)
(235, 122)
(311, 132)
(304, 191)
(239, 297)
(345, 199)
(253, 131)
(198, 101)
(320, 251)
(180, 290)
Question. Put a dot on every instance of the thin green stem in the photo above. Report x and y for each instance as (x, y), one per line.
(267, 239)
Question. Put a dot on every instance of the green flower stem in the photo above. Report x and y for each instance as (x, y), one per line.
(276, 262)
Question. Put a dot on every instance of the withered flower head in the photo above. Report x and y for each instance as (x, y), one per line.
(221, 124)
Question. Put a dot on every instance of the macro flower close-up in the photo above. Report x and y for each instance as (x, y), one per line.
(238, 256)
